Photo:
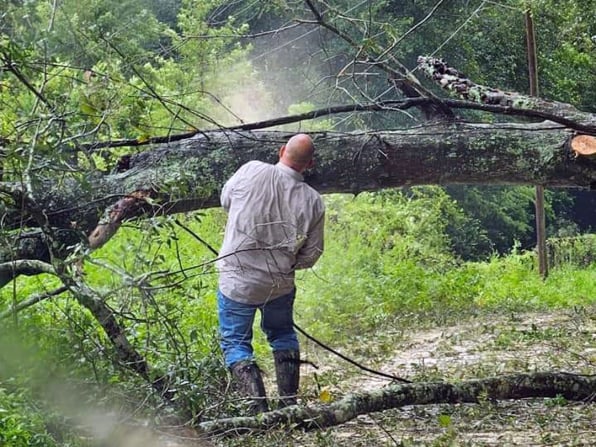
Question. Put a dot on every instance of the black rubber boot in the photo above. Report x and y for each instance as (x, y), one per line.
(250, 384)
(287, 372)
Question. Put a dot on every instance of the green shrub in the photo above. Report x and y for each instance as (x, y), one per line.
(21, 424)
(577, 250)
(388, 255)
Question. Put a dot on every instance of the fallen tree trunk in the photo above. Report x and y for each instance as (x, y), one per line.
(517, 386)
(87, 207)
(584, 145)
(188, 174)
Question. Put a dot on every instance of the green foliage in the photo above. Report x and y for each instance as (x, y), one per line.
(100, 30)
(578, 251)
(558, 400)
(389, 256)
(393, 255)
(22, 424)
(504, 215)
(95, 73)
(174, 321)
(104, 70)
(169, 316)
(567, 63)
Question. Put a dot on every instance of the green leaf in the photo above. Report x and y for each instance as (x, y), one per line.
(444, 420)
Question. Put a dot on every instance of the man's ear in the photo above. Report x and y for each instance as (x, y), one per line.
(282, 150)
(311, 164)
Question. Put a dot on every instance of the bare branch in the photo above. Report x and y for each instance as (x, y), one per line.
(553, 114)
(396, 70)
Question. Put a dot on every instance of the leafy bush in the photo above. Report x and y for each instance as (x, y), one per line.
(385, 252)
(389, 256)
(21, 424)
(579, 250)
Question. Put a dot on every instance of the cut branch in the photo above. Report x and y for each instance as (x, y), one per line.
(132, 205)
(518, 386)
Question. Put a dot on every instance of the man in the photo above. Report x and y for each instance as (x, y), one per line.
(275, 227)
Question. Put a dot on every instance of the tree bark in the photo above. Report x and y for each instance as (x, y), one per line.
(457, 83)
(517, 386)
(188, 174)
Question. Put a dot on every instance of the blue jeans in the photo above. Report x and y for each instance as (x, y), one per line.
(236, 322)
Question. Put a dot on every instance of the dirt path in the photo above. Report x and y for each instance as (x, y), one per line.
(561, 341)
(486, 346)
(531, 341)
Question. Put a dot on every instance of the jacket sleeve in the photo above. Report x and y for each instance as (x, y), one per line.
(312, 249)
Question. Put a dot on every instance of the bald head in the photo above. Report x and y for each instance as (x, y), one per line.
(298, 152)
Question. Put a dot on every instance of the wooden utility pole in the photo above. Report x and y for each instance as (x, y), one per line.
(539, 203)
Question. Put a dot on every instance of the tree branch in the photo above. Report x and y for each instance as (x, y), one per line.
(517, 386)
(116, 333)
(556, 115)
(27, 267)
(12, 67)
(401, 77)
(452, 80)
(32, 300)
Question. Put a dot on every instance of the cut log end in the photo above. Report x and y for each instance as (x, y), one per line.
(584, 145)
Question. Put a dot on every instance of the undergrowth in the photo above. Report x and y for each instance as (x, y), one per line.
(390, 264)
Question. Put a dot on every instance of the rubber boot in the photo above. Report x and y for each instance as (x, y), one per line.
(250, 384)
(287, 372)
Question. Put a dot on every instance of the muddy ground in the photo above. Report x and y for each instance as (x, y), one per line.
(477, 347)
(481, 346)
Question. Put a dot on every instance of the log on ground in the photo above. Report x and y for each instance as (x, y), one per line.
(517, 386)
